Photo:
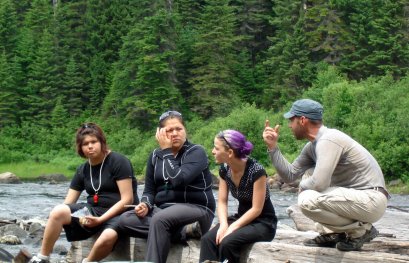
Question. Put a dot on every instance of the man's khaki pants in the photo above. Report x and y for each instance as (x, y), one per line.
(340, 209)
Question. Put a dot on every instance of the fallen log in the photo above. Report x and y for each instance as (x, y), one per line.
(286, 247)
(281, 252)
(392, 245)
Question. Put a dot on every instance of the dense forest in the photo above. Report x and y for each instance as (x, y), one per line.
(222, 63)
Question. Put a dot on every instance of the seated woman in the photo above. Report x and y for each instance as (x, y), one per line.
(109, 181)
(246, 179)
(178, 191)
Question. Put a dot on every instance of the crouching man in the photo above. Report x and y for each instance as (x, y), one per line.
(342, 187)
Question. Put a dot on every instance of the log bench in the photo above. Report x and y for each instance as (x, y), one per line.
(392, 245)
(286, 247)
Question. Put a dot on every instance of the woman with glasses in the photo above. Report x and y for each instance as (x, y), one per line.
(110, 185)
(246, 180)
(178, 191)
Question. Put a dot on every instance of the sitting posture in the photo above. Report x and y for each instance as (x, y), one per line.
(109, 181)
(246, 180)
(178, 191)
(342, 188)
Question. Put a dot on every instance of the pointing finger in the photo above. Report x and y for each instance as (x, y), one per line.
(267, 124)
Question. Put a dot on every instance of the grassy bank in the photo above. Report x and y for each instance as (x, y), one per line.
(29, 170)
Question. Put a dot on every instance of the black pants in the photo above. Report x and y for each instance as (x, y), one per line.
(162, 226)
(231, 245)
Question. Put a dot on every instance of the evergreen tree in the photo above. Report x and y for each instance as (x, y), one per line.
(21, 7)
(8, 27)
(379, 37)
(189, 11)
(253, 26)
(70, 37)
(287, 64)
(41, 86)
(8, 96)
(144, 80)
(325, 33)
(212, 79)
(59, 114)
(39, 17)
(71, 91)
(107, 22)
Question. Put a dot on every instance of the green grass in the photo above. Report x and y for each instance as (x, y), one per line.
(29, 170)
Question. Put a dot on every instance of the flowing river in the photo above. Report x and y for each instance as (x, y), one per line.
(35, 200)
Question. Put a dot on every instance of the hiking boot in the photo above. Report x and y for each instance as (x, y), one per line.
(36, 259)
(355, 244)
(325, 240)
(193, 230)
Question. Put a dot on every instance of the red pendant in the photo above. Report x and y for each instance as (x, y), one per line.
(95, 198)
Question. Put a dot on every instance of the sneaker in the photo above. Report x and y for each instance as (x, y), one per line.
(355, 244)
(325, 240)
(36, 259)
(193, 230)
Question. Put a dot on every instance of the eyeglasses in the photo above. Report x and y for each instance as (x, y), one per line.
(89, 125)
(221, 135)
(168, 114)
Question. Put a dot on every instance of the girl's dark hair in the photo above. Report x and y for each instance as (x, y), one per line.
(236, 141)
(170, 114)
(92, 129)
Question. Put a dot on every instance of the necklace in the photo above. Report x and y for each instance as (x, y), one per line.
(165, 179)
(92, 184)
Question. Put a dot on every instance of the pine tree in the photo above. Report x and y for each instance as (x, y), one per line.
(70, 37)
(8, 96)
(71, 91)
(41, 86)
(8, 27)
(325, 32)
(59, 114)
(379, 37)
(287, 62)
(107, 22)
(253, 25)
(144, 80)
(189, 11)
(39, 17)
(212, 80)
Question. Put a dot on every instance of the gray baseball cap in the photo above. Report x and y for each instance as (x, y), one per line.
(307, 108)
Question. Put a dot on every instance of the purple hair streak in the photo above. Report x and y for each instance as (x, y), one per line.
(236, 141)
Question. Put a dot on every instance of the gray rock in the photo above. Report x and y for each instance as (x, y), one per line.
(13, 229)
(10, 240)
(60, 250)
(395, 182)
(302, 223)
(35, 228)
(9, 178)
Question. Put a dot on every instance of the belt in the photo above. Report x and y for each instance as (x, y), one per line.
(382, 190)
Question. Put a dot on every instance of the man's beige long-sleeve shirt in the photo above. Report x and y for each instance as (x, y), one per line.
(337, 159)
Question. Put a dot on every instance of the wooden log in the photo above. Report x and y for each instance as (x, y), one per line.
(281, 252)
(392, 245)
